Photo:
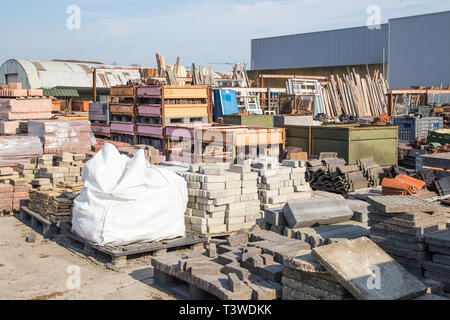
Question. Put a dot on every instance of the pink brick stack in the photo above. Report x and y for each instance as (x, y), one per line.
(20, 195)
(18, 149)
(62, 136)
(6, 198)
(34, 107)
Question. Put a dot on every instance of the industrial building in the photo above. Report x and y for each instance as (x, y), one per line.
(410, 51)
(66, 78)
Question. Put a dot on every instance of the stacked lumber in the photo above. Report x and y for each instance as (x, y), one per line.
(62, 136)
(18, 149)
(222, 198)
(353, 95)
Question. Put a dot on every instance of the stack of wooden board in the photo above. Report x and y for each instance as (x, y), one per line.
(212, 143)
(62, 136)
(123, 114)
(161, 106)
(353, 95)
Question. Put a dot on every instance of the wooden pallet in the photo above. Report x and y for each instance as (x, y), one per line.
(38, 223)
(129, 255)
(222, 235)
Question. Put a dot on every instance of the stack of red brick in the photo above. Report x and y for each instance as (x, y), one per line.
(12, 197)
(62, 136)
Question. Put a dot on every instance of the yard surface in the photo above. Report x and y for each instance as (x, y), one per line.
(46, 270)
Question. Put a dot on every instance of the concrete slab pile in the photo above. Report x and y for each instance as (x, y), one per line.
(222, 198)
(319, 221)
(439, 267)
(243, 267)
(399, 225)
(373, 275)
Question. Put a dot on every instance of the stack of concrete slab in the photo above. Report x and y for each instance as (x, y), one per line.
(278, 184)
(56, 206)
(399, 225)
(368, 272)
(62, 136)
(18, 149)
(246, 266)
(306, 279)
(222, 198)
(439, 268)
(319, 221)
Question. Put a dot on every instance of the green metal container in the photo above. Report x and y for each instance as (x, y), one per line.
(349, 141)
(253, 120)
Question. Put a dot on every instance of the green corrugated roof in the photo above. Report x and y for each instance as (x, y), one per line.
(61, 92)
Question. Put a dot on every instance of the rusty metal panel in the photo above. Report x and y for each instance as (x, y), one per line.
(58, 74)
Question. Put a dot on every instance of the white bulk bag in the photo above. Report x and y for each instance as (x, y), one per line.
(126, 201)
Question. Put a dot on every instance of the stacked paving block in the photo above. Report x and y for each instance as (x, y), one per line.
(56, 206)
(62, 136)
(21, 194)
(18, 149)
(222, 198)
(64, 170)
(278, 184)
(246, 266)
(439, 267)
(399, 225)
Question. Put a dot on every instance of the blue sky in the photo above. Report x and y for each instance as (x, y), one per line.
(131, 31)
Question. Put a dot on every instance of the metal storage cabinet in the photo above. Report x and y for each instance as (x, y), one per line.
(350, 142)
(409, 129)
(253, 120)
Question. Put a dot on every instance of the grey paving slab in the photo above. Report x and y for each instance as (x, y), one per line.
(399, 204)
(432, 220)
(312, 212)
(351, 263)
(441, 259)
(441, 238)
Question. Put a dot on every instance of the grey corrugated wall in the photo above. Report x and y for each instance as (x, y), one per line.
(319, 49)
(420, 51)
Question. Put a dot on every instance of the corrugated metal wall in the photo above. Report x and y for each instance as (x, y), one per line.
(419, 51)
(319, 49)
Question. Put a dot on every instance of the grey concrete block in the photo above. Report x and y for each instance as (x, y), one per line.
(308, 213)
(400, 204)
(395, 281)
